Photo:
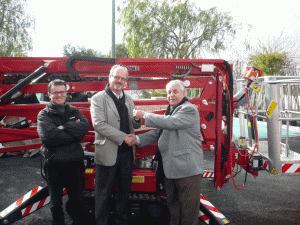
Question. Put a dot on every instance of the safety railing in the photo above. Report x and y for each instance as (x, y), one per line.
(276, 104)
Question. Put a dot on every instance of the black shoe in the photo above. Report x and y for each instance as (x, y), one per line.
(58, 216)
(81, 215)
(121, 221)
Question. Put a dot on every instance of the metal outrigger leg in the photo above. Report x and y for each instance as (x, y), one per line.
(39, 197)
(29, 203)
(209, 214)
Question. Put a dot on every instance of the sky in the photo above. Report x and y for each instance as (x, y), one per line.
(89, 23)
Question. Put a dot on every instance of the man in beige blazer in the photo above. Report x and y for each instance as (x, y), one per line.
(178, 139)
(112, 118)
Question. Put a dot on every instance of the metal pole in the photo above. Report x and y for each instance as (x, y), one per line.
(113, 45)
(274, 126)
(289, 107)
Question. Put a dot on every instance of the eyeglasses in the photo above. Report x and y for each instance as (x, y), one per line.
(59, 92)
(120, 78)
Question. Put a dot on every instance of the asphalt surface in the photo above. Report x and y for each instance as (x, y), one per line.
(268, 199)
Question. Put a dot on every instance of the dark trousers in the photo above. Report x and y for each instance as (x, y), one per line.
(69, 175)
(121, 172)
(183, 200)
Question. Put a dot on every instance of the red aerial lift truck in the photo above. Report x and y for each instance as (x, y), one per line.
(213, 77)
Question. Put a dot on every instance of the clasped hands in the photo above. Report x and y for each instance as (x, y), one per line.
(130, 139)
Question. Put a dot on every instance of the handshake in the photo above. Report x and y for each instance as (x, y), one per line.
(130, 139)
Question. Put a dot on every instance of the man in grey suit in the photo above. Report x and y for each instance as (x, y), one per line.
(111, 112)
(178, 137)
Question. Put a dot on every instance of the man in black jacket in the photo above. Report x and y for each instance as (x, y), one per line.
(61, 127)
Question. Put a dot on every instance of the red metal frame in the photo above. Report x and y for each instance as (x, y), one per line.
(209, 104)
(159, 72)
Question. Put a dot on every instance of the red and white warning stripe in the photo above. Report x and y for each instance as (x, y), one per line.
(35, 206)
(203, 217)
(291, 168)
(38, 205)
(208, 174)
(20, 201)
(211, 208)
(266, 165)
(30, 208)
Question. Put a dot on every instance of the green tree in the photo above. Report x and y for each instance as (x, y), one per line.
(270, 62)
(159, 93)
(15, 24)
(283, 56)
(121, 51)
(145, 95)
(154, 93)
(70, 50)
(171, 29)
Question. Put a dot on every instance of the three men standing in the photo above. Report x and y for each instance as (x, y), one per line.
(62, 126)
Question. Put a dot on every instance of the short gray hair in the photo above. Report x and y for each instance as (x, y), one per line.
(172, 82)
(117, 67)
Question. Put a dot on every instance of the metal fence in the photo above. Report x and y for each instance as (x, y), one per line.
(276, 100)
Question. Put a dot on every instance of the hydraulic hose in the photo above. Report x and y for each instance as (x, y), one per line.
(74, 58)
(230, 105)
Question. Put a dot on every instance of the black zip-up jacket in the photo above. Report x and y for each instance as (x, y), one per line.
(62, 145)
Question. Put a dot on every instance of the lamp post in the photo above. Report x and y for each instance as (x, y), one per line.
(113, 45)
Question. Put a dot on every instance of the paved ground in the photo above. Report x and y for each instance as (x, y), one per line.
(268, 199)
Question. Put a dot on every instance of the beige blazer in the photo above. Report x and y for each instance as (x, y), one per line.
(106, 123)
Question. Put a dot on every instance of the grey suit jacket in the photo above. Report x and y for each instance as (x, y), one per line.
(106, 123)
(180, 143)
